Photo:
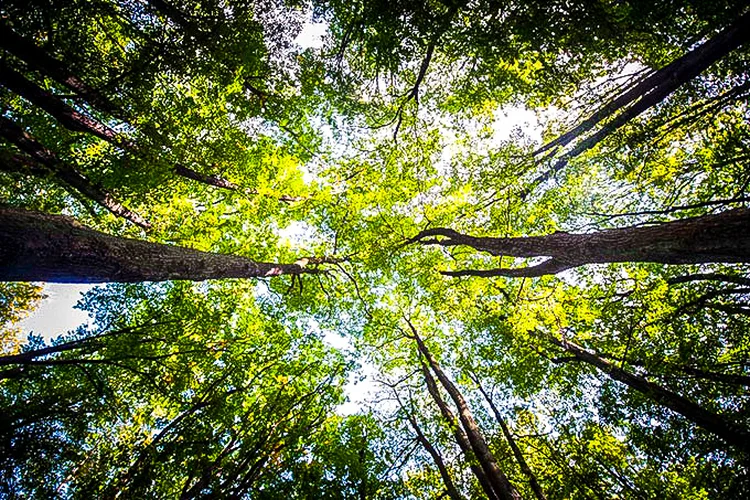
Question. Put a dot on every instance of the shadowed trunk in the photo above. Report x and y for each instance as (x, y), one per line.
(66, 115)
(735, 435)
(37, 58)
(503, 488)
(533, 482)
(450, 488)
(648, 93)
(62, 171)
(56, 248)
(720, 237)
(458, 433)
(78, 122)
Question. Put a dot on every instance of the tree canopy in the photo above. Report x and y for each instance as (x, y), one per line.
(521, 228)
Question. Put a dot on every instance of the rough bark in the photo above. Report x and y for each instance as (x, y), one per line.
(503, 488)
(733, 434)
(458, 433)
(37, 58)
(62, 112)
(56, 248)
(533, 482)
(720, 237)
(450, 488)
(62, 171)
(649, 92)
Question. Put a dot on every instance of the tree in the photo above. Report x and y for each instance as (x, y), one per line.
(169, 144)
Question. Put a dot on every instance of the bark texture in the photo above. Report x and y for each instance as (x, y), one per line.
(735, 435)
(458, 433)
(62, 112)
(723, 237)
(56, 248)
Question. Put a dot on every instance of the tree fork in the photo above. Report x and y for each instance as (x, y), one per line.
(500, 483)
(56, 248)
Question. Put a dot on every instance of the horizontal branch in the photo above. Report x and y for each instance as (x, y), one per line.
(710, 238)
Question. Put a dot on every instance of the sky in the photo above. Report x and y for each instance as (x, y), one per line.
(56, 313)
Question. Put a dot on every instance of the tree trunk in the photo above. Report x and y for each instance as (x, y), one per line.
(450, 488)
(735, 435)
(669, 368)
(54, 248)
(78, 122)
(66, 115)
(458, 433)
(649, 92)
(533, 482)
(63, 172)
(720, 237)
(725, 378)
(37, 58)
(504, 489)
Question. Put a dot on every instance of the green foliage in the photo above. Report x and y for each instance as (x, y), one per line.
(342, 153)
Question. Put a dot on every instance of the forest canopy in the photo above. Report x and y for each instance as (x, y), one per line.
(522, 226)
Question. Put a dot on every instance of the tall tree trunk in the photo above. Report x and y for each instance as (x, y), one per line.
(450, 488)
(63, 172)
(66, 115)
(504, 489)
(78, 122)
(735, 435)
(43, 247)
(720, 237)
(37, 58)
(649, 92)
(458, 433)
(725, 378)
(533, 482)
